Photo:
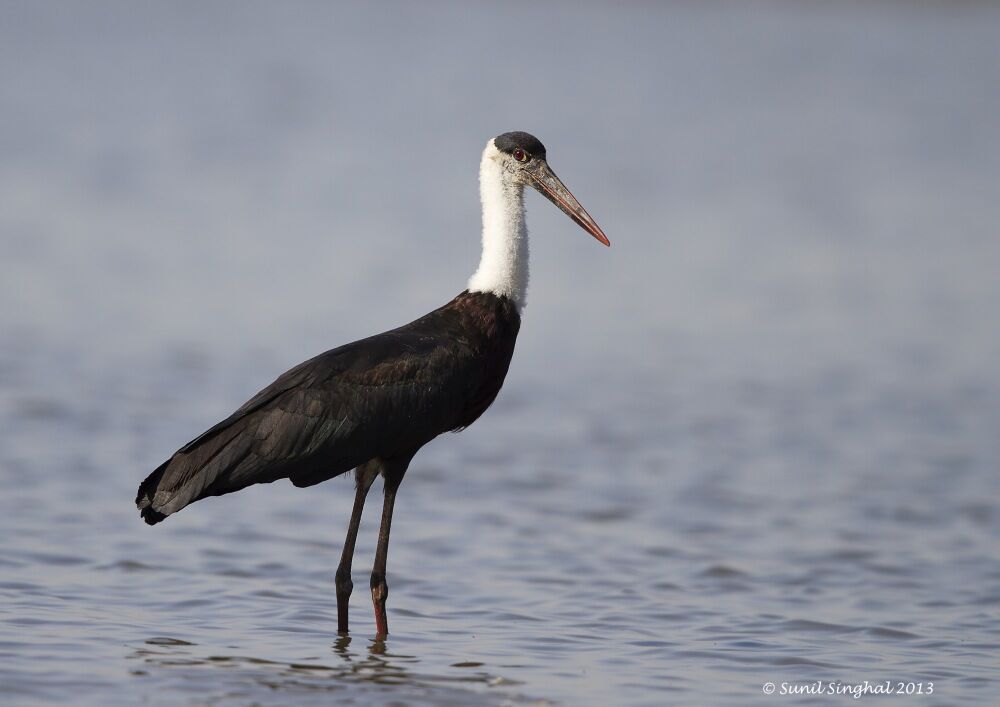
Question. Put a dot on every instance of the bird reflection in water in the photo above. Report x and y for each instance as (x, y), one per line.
(348, 673)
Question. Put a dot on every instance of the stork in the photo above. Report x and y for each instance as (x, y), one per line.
(372, 404)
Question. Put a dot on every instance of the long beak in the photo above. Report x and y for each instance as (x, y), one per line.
(546, 182)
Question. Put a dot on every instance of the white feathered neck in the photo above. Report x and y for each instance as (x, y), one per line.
(503, 268)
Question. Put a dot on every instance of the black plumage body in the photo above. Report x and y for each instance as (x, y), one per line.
(382, 397)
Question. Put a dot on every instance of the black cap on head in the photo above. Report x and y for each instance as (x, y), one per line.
(508, 142)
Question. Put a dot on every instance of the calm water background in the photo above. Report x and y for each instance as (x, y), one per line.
(757, 440)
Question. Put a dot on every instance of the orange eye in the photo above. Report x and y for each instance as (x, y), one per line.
(520, 155)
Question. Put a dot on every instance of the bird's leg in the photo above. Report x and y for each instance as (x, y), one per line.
(380, 590)
(364, 476)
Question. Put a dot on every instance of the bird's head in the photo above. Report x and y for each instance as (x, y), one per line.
(521, 157)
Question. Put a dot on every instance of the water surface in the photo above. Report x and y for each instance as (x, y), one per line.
(755, 441)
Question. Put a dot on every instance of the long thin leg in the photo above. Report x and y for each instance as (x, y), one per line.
(380, 590)
(364, 476)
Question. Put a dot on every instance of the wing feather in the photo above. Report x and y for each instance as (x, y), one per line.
(322, 418)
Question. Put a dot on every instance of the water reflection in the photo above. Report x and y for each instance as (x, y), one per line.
(352, 672)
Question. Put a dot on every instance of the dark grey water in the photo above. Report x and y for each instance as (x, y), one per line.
(756, 441)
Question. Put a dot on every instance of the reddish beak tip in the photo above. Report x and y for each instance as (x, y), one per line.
(545, 180)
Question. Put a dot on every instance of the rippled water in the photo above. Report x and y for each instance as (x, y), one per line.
(756, 441)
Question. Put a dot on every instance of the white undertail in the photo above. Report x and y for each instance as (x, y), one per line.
(503, 269)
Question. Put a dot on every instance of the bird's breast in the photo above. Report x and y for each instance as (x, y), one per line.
(489, 324)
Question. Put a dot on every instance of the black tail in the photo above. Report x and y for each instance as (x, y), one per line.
(147, 489)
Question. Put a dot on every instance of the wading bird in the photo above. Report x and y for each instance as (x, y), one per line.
(372, 404)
